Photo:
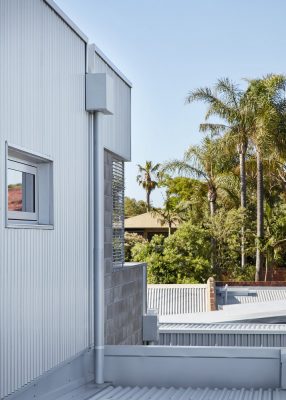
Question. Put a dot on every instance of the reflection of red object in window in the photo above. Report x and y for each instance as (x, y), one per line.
(15, 198)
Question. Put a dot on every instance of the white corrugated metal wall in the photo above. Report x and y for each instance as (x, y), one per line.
(117, 128)
(43, 273)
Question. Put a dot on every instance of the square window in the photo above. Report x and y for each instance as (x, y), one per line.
(29, 188)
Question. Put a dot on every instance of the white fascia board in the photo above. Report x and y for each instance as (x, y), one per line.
(68, 21)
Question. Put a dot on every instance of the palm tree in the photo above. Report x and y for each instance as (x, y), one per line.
(169, 214)
(266, 110)
(199, 162)
(147, 178)
(224, 102)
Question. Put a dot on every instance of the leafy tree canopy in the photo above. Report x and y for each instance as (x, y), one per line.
(134, 207)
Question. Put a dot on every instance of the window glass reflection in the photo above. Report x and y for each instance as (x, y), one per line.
(21, 191)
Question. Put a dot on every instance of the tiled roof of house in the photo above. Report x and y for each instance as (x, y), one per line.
(145, 221)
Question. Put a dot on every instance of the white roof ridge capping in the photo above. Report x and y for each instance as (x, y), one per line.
(77, 30)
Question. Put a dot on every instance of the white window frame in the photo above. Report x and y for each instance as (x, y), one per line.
(42, 166)
(18, 165)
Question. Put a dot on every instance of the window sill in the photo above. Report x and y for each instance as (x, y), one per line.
(29, 226)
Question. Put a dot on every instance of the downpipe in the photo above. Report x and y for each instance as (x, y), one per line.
(98, 246)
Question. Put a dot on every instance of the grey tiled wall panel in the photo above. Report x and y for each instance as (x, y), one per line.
(123, 286)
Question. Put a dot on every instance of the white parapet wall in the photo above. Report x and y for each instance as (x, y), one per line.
(197, 367)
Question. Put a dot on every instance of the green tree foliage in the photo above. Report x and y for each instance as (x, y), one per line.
(229, 191)
(189, 197)
(133, 207)
(181, 258)
(225, 227)
(130, 240)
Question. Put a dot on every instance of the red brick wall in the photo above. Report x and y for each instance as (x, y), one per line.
(211, 293)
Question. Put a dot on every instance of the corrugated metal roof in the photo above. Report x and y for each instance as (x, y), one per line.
(247, 335)
(225, 328)
(271, 311)
(177, 299)
(137, 393)
(257, 295)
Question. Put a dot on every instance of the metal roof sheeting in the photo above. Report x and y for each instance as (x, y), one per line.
(137, 393)
(249, 335)
(225, 328)
(252, 295)
(177, 299)
(271, 311)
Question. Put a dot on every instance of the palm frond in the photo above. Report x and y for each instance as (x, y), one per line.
(214, 129)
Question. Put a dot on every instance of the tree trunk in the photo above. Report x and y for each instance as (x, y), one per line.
(260, 216)
(212, 200)
(212, 208)
(170, 229)
(242, 151)
(266, 269)
(148, 200)
(242, 171)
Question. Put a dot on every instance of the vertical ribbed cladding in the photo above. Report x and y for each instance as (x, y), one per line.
(177, 299)
(117, 127)
(43, 273)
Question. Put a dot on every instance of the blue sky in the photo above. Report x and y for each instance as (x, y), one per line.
(167, 48)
